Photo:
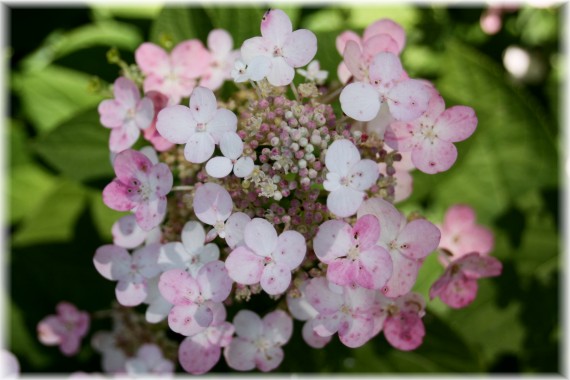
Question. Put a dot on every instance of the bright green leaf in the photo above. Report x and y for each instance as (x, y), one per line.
(28, 189)
(176, 24)
(16, 138)
(241, 22)
(361, 16)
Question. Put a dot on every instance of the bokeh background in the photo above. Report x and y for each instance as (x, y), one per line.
(58, 163)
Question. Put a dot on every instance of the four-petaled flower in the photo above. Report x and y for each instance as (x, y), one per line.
(220, 44)
(149, 360)
(66, 329)
(231, 146)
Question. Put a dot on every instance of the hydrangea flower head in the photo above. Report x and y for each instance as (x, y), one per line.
(266, 258)
(430, 138)
(140, 186)
(258, 341)
(65, 329)
(173, 74)
(199, 126)
(284, 49)
(127, 114)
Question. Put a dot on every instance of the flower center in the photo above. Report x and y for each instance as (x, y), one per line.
(262, 344)
(277, 52)
(428, 132)
(353, 253)
(201, 127)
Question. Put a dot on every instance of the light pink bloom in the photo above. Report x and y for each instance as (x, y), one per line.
(430, 138)
(173, 74)
(10, 367)
(457, 287)
(213, 205)
(232, 159)
(460, 235)
(285, 49)
(159, 102)
(126, 115)
(198, 354)
(141, 187)
(348, 178)
(402, 320)
(130, 271)
(314, 73)
(149, 360)
(255, 70)
(348, 310)
(193, 297)
(220, 44)
(200, 127)
(352, 253)
(234, 229)
(113, 358)
(388, 84)
(127, 233)
(66, 329)
(258, 342)
(266, 258)
(407, 243)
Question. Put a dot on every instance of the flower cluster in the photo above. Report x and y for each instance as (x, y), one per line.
(270, 191)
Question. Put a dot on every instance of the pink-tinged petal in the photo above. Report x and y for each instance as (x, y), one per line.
(248, 325)
(117, 196)
(221, 334)
(244, 266)
(389, 27)
(124, 137)
(197, 355)
(193, 236)
(300, 48)
(112, 262)
(269, 359)
(290, 250)
(475, 265)
(144, 113)
(243, 167)
(401, 136)
(258, 68)
(152, 59)
(199, 148)
(360, 101)
(203, 105)
(275, 278)
(299, 306)
(178, 287)
(277, 327)
(176, 124)
(366, 231)
(343, 272)
(160, 179)
(190, 59)
(219, 167)
(326, 325)
(343, 38)
(321, 297)
(254, 47)
(436, 106)
(404, 274)
(235, 227)
(411, 302)
(345, 201)
(158, 310)
(404, 185)
(281, 73)
(126, 92)
(341, 156)
(220, 42)
(434, 156)
(130, 294)
(260, 236)
(391, 220)
(459, 218)
(404, 331)
(354, 60)
(231, 145)
(276, 26)
(224, 121)
(456, 291)
(212, 203)
(50, 330)
(409, 99)
(379, 44)
(240, 354)
(343, 73)
(356, 330)
(190, 319)
(456, 123)
(214, 282)
(385, 70)
(418, 238)
(173, 256)
(150, 214)
(363, 175)
(70, 346)
(441, 284)
(131, 164)
(112, 113)
(312, 338)
(376, 266)
(334, 239)
(146, 260)
(127, 233)
(476, 239)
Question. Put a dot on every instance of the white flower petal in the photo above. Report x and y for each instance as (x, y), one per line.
(219, 167)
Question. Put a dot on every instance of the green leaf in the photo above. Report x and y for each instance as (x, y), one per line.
(327, 55)
(29, 187)
(241, 22)
(17, 137)
(53, 95)
(103, 216)
(146, 11)
(362, 16)
(54, 220)
(78, 148)
(325, 20)
(176, 24)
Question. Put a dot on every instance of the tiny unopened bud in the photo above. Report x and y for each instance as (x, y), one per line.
(275, 141)
(277, 195)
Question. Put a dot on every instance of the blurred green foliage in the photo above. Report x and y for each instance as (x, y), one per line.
(508, 171)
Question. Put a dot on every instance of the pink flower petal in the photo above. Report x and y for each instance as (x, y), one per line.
(124, 137)
(385, 70)
(277, 327)
(199, 148)
(299, 306)
(400, 136)
(219, 167)
(112, 262)
(130, 294)
(244, 266)
(152, 59)
(146, 260)
(389, 27)
(203, 105)
(235, 227)
(131, 164)
(260, 236)
(391, 220)
(276, 26)
(127, 233)
(178, 287)
(176, 124)
(404, 274)
(418, 239)
(212, 203)
(312, 338)
(354, 60)
(190, 59)
(475, 265)
(150, 214)
(327, 324)
(356, 330)
(275, 278)
(366, 231)
(434, 156)
(197, 355)
(333, 239)
(220, 334)
(363, 175)
(193, 236)
(220, 42)
(254, 47)
(223, 121)
(341, 156)
(343, 38)
(343, 272)
(300, 48)
(456, 123)
(378, 44)
(112, 113)
(160, 179)
(404, 331)
(240, 354)
(214, 282)
(409, 99)
(345, 201)
(190, 319)
(376, 265)
(459, 218)
(360, 101)
(269, 359)
(117, 196)
(321, 297)
(144, 113)
(248, 324)
(281, 73)
(126, 92)
(290, 250)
